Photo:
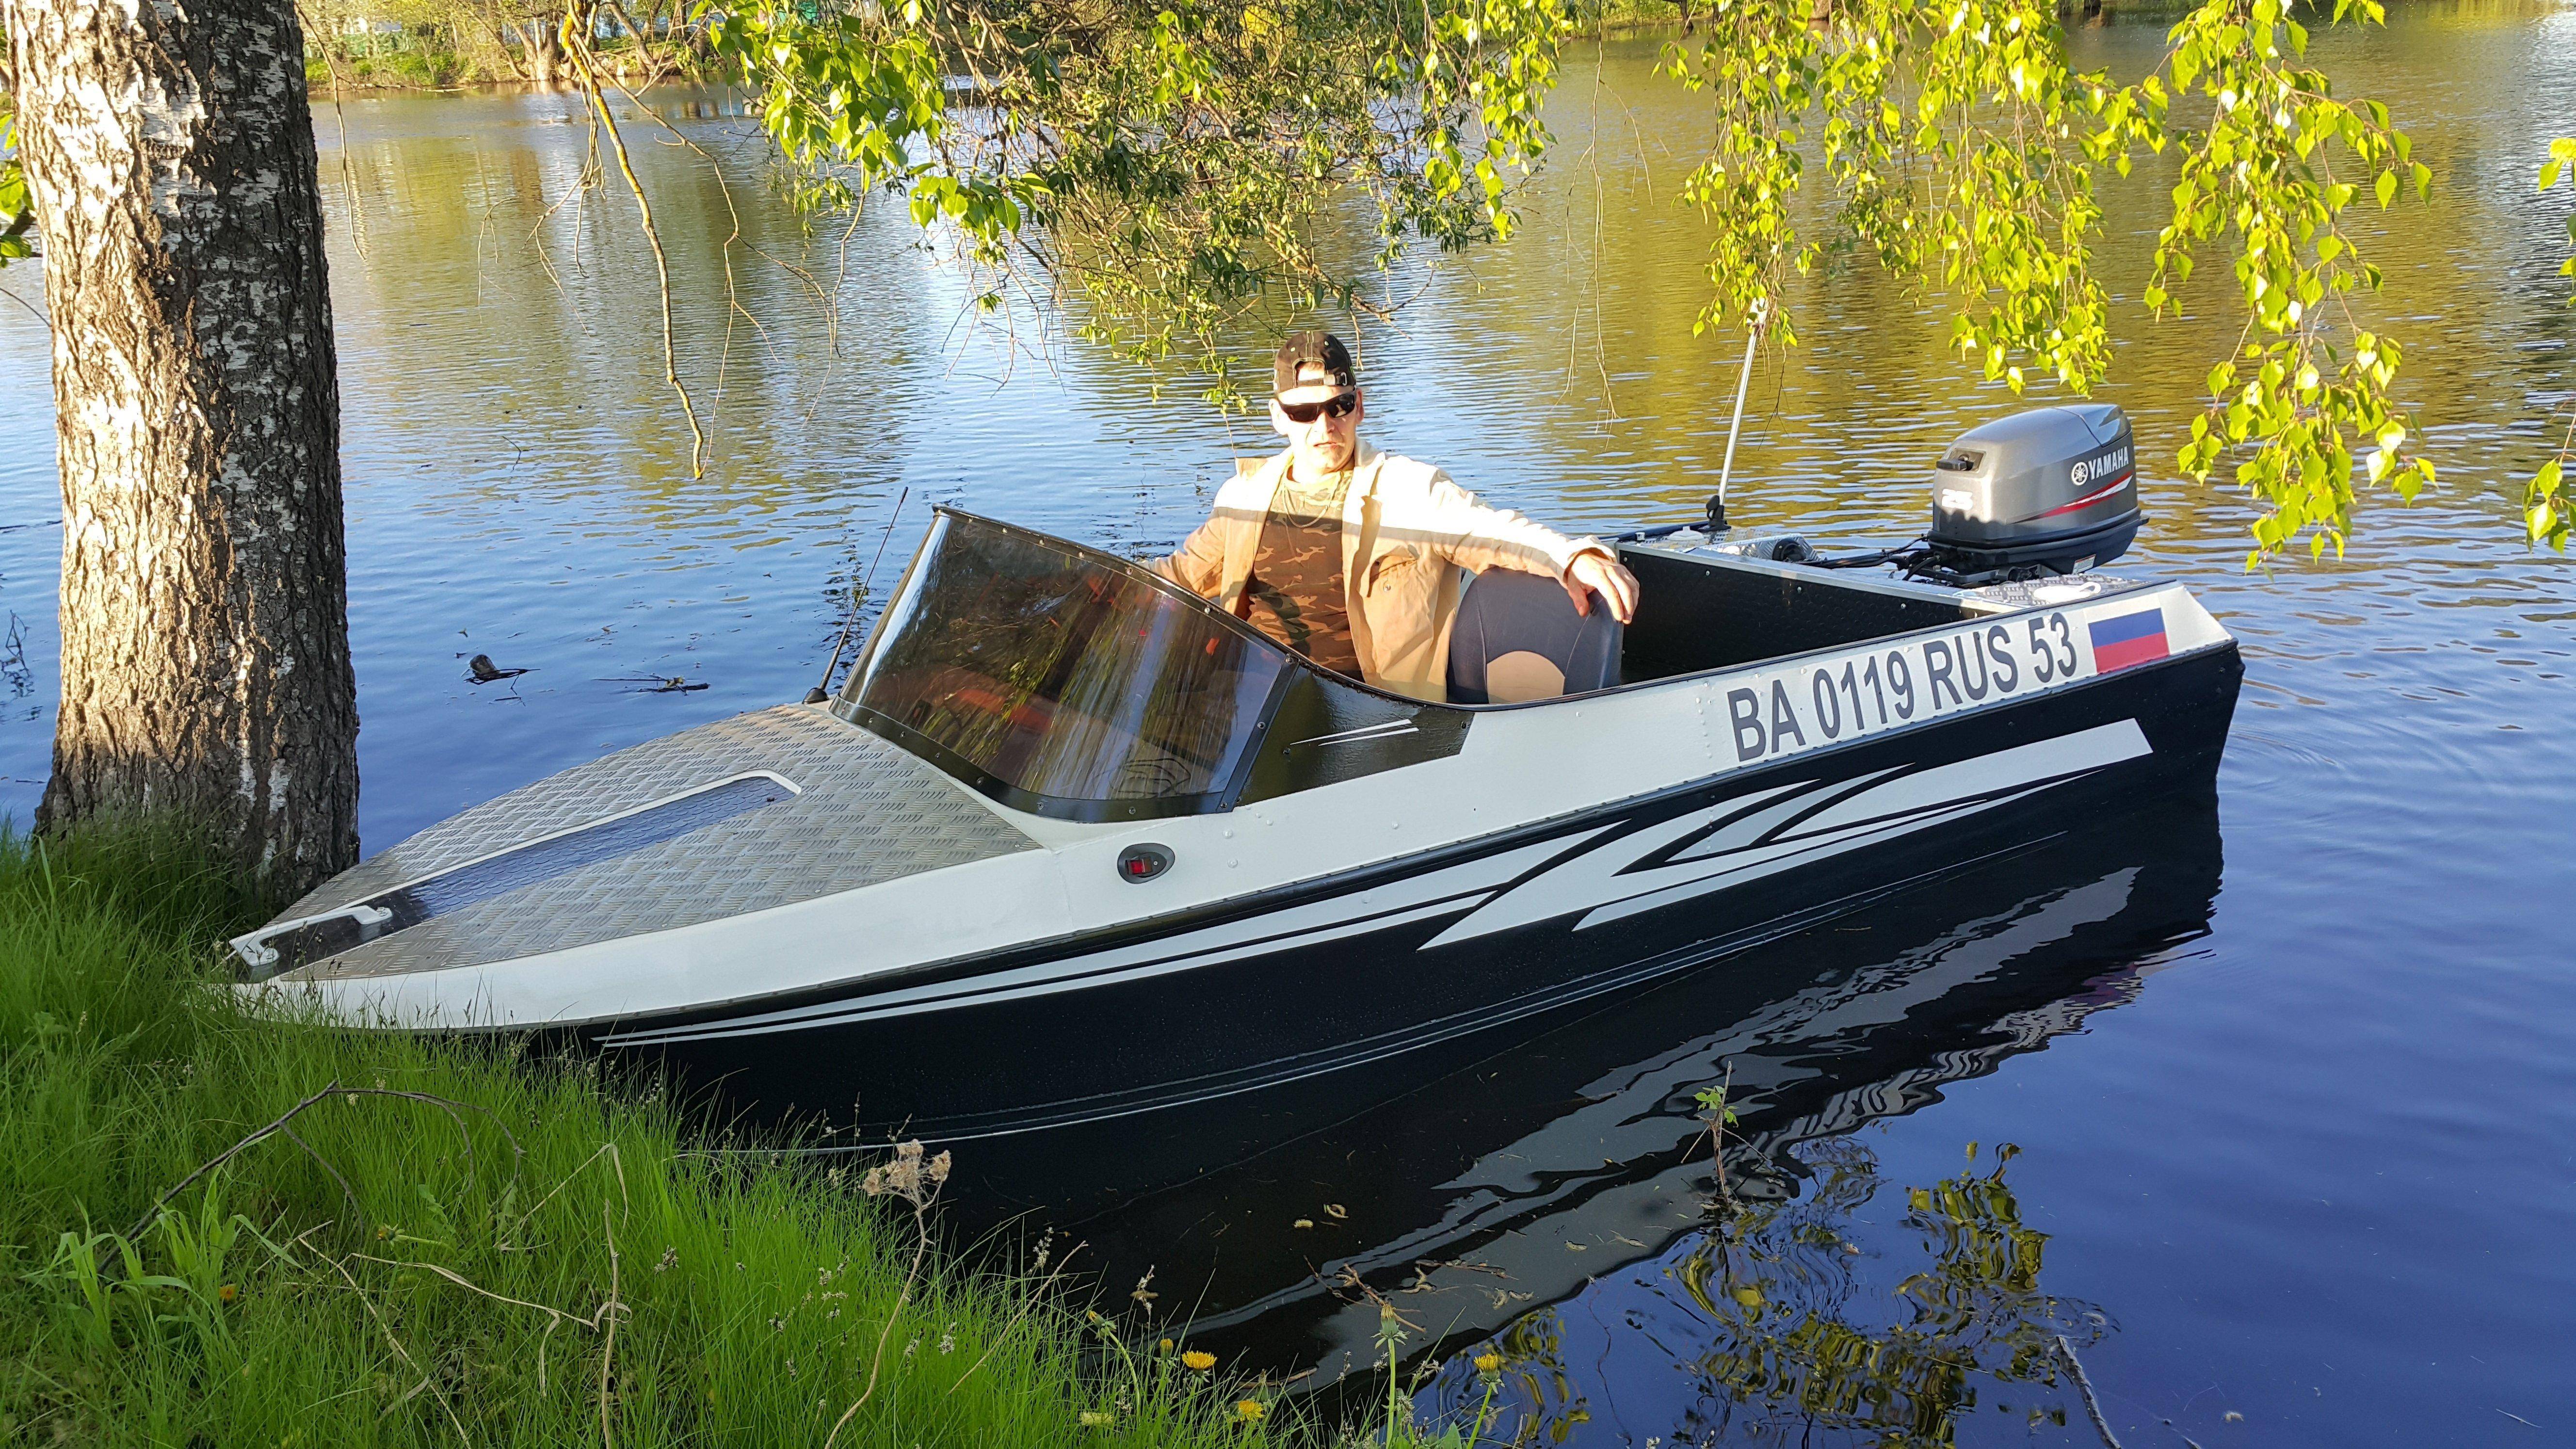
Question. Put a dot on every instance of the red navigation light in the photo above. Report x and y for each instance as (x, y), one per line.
(1141, 862)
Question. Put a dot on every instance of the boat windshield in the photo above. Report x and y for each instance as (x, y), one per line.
(1061, 681)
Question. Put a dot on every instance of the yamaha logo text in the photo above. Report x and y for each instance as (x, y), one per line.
(2102, 467)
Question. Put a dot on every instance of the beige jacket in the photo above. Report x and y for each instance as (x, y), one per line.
(1410, 538)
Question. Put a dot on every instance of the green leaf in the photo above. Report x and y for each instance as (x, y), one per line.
(2386, 187)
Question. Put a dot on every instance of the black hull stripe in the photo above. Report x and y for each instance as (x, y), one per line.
(1089, 968)
(1435, 1033)
(984, 989)
(1610, 911)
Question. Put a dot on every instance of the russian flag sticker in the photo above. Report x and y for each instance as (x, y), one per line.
(2128, 639)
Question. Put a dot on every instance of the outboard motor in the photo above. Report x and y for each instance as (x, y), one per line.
(2049, 491)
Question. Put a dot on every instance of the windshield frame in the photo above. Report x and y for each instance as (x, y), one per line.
(1291, 668)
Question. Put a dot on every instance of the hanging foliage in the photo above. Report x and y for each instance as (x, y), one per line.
(1166, 166)
(1170, 166)
(2549, 503)
(17, 213)
(1962, 150)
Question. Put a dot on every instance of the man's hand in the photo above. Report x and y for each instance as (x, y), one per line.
(1592, 573)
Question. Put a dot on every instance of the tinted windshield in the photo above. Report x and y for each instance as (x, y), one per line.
(1060, 681)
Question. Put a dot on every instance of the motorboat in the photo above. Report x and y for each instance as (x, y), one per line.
(1072, 844)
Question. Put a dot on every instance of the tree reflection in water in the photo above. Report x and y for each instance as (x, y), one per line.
(1793, 1336)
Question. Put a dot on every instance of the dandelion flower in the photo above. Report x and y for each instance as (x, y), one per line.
(228, 1292)
(1489, 1363)
(1167, 1345)
(1199, 1359)
(1250, 1411)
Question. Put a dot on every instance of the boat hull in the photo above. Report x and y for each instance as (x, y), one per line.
(1404, 968)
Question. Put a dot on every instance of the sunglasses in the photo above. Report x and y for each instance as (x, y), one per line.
(1339, 406)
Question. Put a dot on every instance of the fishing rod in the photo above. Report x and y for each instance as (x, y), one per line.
(823, 691)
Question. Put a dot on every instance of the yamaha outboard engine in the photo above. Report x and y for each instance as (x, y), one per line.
(2050, 491)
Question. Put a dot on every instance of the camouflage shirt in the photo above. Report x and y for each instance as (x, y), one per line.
(1295, 593)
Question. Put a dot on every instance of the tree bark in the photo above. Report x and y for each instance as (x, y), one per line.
(206, 677)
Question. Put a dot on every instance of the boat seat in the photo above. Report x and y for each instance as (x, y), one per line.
(1518, 638)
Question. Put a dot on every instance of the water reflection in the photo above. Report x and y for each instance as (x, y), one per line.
(1569, 1178)
(1783, 1325)
(727, 106)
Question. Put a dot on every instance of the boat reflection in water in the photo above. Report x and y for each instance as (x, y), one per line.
(1576, 1160)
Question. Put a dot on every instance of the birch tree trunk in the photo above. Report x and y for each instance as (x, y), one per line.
(169, 153)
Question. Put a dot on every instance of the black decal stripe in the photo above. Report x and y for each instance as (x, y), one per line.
(974, 987)
(1559, 998)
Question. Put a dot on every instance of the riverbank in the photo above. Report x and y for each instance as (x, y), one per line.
(226, 1230)
(425, 62)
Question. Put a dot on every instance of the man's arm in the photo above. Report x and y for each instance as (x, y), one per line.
(1199, 564)
(1476, 535)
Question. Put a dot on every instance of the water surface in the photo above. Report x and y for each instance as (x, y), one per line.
(2289, 1077)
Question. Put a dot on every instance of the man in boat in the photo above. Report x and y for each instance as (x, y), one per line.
(1357, 558)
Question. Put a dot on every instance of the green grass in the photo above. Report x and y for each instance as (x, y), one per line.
(529, 1259)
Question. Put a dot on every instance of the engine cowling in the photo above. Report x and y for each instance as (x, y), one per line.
(2049, 491)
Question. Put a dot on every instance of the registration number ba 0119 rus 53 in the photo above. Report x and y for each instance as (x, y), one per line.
(1865, 691)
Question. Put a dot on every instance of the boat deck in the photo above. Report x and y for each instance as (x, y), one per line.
(523, 874)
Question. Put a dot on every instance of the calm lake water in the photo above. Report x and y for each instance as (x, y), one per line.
(2288, 1079)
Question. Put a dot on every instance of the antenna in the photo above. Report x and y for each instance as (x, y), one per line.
(1761, 317)
(823, 691)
